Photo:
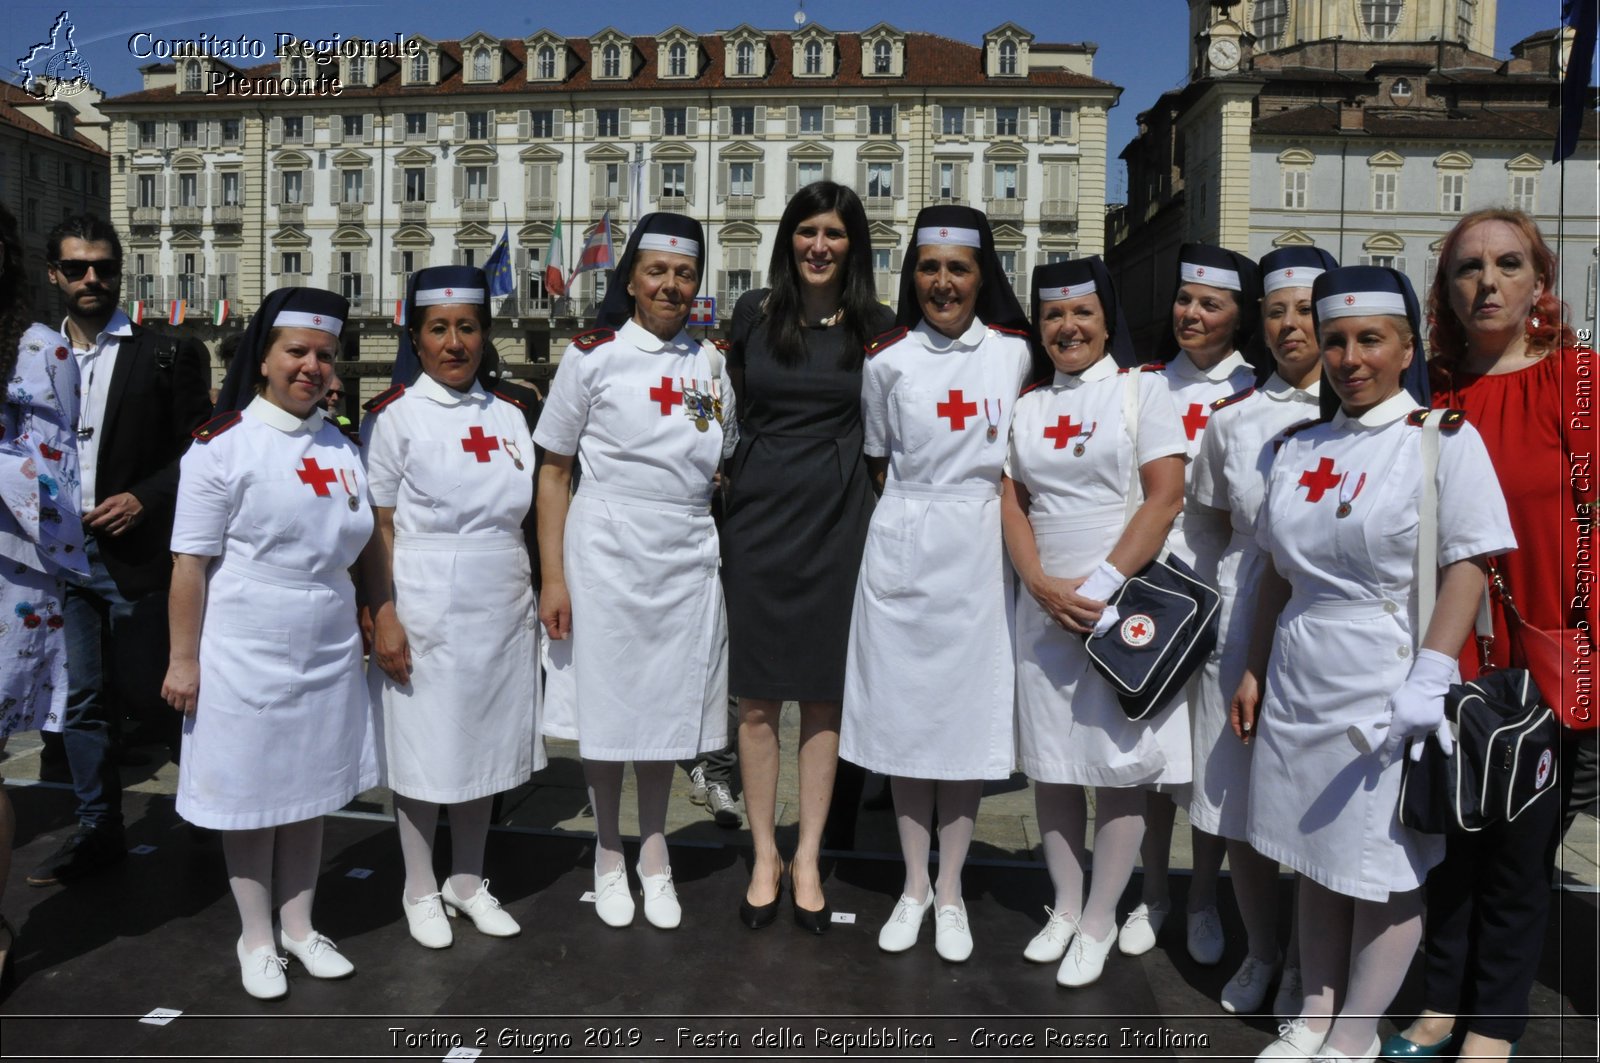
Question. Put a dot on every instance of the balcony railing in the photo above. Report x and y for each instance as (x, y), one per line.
(541, 209)
(740, 207)
(189, 215)
(1058, 210)
(879, 207)
(1007, 209)
(673, 203)
(414, 210)
(352, 212)
(600, 204)
(146, 217)
(292, 213)
(474, 210)
(227, 214)
(535, 304)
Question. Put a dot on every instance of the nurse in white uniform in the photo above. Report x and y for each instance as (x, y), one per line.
(1215, 311)
(266, 658)
(454, 672)
(1066, 510)
(1230, 476)
(630, 563)
(1350, 677)
(929, 693)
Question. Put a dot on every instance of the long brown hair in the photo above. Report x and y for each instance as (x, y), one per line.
(15, 315)
(1447, 339)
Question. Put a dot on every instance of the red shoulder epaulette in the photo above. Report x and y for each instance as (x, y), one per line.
(505, 397)
(1451, 420)
(1033, 387)
(887, 339)
(1011, 331)
(595, 337)
(217, 425)
(722, 345)
(378, 402)
(1224, 403)
(1293, 430)
(1147, 367)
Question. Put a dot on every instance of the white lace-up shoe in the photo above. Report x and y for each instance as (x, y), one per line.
(318, 955)
(483, 909)
(1295, 1041)
(612, 902)
(1138, 933)
(1085, 959)
(1050, 944)
(905, 923)
(1205, 936)
(1291, 996)
(426, 919)
(952, 938)
(661, 906)
(1247, 988)
(261, 971)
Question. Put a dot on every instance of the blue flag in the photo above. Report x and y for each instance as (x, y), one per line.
(1576, 100)
(498, 267)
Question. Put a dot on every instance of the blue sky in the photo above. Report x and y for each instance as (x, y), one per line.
(1143, 43)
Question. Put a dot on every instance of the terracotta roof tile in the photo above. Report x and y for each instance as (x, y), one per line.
(10, 114)
(1501, 124)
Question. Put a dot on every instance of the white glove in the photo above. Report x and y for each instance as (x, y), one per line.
(1102, 583)
(1414, 710)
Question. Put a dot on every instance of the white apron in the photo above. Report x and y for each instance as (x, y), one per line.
(1230, 475)
(282, 731)
(1345, 641)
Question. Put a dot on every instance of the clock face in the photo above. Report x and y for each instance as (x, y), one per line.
(1224, 54)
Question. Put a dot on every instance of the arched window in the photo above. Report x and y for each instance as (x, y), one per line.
(1382, 17)
(813, 57)
(882, 58)
(547, 62)
(1008, 57)
(480, 65)
(297, 68)
(677, 60)
(611, 62)
(419, 67)
(744, 58)
(358, 70)
(1271, 20)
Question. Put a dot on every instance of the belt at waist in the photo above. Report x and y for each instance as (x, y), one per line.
(939, 492)
(455, 543)
(647, 499)
(1346, 608)
(1084, 517)
(262, 572)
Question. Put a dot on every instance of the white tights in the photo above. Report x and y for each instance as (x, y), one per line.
(958, 811)
(1118, 829)
(286, 857)
(469, 830)
(1353, 957)
(653, 779)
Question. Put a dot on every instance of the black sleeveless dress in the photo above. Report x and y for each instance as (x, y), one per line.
(796, 513)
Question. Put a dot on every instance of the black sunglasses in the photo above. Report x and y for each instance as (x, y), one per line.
(335, 394)
(74, 269)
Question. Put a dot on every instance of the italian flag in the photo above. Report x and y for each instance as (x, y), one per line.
(136, 311)
(555, 280)
(219, 312)
(400, 312)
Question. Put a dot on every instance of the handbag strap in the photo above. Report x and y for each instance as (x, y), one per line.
(1428, 524)
(1130, 421)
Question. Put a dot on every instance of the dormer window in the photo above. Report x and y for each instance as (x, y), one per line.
(1008, 57)
(745, 58)
(481, 65)
(546, 64)
(358, 69)
(677, 60)
(813, 57)
(191, 77)
(419, 67)
(297, 68)
(882, 58)
(611, 62)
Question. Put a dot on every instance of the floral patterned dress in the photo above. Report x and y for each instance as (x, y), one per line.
(41, 531)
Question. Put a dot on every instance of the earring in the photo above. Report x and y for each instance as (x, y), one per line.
(1533, 321)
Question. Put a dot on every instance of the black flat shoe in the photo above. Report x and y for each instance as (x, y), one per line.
(756, 916)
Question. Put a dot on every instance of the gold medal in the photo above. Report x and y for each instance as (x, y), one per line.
(702, 424)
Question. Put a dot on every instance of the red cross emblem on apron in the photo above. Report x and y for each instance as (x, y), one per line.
(1063, 430)
(478, 444)
(316, 477)
(957, 410)
(667, 397)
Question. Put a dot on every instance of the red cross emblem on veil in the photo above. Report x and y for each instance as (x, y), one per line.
(672, 242)
(316, 319)
(1288, 273)
(1199, 271)
(449, 291)
(944, 232)
(1349, 300)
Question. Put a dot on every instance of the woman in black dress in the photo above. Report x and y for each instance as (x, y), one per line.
(798, 504)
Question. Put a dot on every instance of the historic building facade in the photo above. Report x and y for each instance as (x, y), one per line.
(1366, 128)
(427, 156)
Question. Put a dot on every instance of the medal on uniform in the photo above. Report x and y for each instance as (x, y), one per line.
(696, 404)
(1346, 499)
(347, 480)
(514, 451)
(1077, 448)
(716, 401)
(994, 422)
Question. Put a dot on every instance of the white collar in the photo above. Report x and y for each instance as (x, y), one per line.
(1384, 413)
(1183, 366)
(431, 389)
(119, 325)
(273, 416)
(934, 340)
(1103, 369)
(647, 341)
(1278, 389)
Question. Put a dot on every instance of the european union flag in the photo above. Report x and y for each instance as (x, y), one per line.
(498, 267)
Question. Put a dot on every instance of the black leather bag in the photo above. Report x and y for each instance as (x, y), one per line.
(1167, 628)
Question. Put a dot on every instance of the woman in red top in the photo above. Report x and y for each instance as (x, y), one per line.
(1503, 354)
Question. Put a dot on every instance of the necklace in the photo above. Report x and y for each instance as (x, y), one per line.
(832, 319)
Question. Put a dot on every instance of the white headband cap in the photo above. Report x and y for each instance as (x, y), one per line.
(446, 296)
(949, 234)
(677, 245)
(1290, 277)
(303, 319)
(1361, 304)
(1216, 276)
(1071, 291)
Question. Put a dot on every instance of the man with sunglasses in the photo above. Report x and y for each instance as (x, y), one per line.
(143, 393)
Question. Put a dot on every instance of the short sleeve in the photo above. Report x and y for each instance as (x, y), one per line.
(200, 523)
(874, 410)
(1263, 530)
(1473, 521)
(380, 448)
(1160, 431)
(566, 411)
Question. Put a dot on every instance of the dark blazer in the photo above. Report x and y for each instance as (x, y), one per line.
(159, 394)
